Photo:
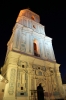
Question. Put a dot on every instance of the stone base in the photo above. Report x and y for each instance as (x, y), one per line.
(12, 98)
(22, 98)
(9, 98)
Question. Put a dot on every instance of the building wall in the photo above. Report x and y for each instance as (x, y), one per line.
(27, 72)
(2, 88)
(24, 71)
(22, 40)
(64, 87)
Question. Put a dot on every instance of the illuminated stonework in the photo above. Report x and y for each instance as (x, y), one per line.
(30, 60)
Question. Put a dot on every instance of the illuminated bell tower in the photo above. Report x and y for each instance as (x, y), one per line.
(30, 60)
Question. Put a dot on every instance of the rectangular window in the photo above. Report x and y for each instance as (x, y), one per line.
(22, 66)
(2, 90)
(21, 88)
(21, 93)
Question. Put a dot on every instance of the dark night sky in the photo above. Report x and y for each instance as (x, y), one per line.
(53, 17)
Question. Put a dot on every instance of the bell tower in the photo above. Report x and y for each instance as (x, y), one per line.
(30, 60)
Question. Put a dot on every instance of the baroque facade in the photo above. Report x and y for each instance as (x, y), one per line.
(30, 60)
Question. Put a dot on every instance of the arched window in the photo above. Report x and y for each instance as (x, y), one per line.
(32, 17)
(35, 49)
(35, 46)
